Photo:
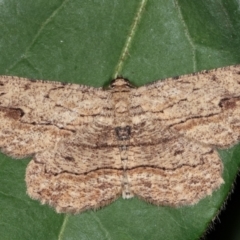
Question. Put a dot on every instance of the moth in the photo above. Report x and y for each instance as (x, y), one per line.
(89, 145)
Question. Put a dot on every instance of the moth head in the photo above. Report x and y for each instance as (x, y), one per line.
(120, 83)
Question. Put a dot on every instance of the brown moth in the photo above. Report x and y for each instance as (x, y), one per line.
(90, 145)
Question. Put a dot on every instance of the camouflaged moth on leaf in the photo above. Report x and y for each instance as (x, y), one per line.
(90, 145)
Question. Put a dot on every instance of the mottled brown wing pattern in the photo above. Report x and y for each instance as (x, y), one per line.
(182, 121)
(176, 172)
(35, 115)
(74, 193)
(202, 106)
(91, 145)
(64, 126)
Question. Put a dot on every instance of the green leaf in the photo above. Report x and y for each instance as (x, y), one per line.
(91, 42)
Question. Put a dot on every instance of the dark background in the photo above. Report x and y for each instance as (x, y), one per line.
(226, 225)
